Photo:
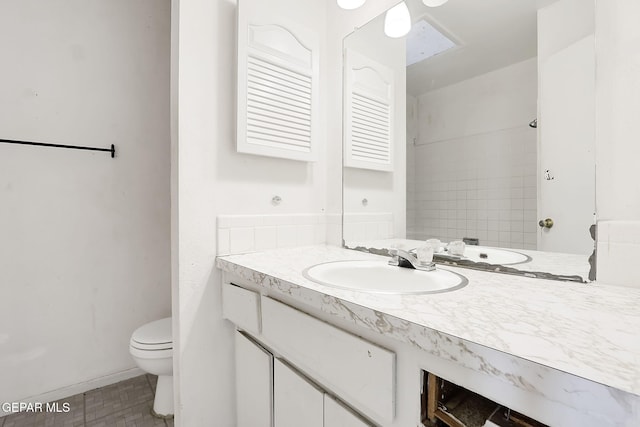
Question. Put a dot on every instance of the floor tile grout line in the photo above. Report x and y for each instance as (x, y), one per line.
(84, 409)
(120, 410)
(124, 406)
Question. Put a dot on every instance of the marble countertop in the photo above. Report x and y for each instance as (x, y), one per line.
(588, 330)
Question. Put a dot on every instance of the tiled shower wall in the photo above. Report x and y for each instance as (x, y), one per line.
(482, 186)
(412, 137)
(472, 166)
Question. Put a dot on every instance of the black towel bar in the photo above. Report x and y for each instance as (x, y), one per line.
(111, 150)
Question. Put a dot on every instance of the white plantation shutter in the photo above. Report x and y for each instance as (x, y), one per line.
(277, 91)
(278, 106)
(368, 113)
(370, 127)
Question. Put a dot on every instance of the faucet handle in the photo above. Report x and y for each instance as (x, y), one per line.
(424, 254)
(393, 253)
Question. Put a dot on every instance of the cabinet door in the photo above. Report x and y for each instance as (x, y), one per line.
(359, 372)
(254, 383)
(336, 415)
(297, 402)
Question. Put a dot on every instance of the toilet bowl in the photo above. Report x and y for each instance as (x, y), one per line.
(151, 346)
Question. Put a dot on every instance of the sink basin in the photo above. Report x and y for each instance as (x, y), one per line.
(493, 255)
(381, 278)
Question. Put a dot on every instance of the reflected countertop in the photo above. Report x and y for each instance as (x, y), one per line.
(560, 264)
(587, 330)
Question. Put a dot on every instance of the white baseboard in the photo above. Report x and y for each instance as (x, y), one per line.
(74, 389)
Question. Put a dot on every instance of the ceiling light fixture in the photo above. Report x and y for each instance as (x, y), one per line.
(434, 3)
(397, 21)
(350, 4)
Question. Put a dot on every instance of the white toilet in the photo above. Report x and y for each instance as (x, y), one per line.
(151, 346)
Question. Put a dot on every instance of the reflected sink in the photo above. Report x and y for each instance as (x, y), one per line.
(381, 278)
(490, 255)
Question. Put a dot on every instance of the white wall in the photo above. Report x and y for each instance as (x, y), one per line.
(475, 159)
(618, 104)
(495, 101)
(617, 135)
(384, 191)
(209, 178)
(84, 239)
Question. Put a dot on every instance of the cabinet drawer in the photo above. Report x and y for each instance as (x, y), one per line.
(242, 307)
(359, 372)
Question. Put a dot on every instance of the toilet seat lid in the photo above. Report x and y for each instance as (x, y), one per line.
(155, 333)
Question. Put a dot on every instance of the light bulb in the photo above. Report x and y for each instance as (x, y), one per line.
(397, 21)
(434, 3)
(350, 4)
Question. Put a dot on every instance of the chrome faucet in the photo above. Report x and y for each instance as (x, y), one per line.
(402, 258)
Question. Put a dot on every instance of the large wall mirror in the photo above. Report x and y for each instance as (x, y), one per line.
(477, 125)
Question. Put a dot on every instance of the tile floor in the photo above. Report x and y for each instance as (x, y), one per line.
(125, 404)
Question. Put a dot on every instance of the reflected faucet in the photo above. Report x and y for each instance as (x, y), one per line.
(402, 258)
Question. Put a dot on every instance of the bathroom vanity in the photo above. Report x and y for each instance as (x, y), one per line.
(563, 354)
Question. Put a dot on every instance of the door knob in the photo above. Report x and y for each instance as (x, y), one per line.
(546, 223)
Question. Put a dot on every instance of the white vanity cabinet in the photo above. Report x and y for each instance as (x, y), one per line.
(359, 372)
(306, 381)
(272, 393)
(254, 383)
(368, 367)
(296, 401)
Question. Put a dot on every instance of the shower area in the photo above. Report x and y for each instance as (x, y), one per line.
(472, 159)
